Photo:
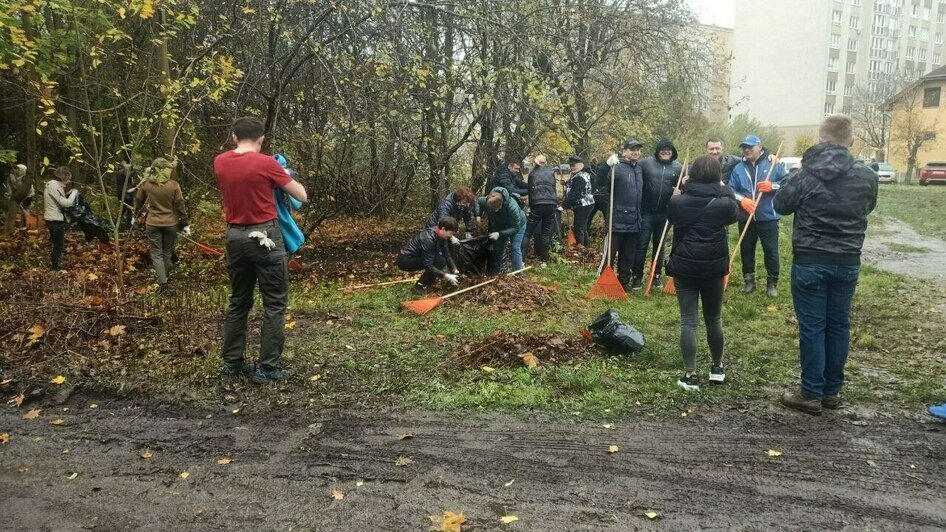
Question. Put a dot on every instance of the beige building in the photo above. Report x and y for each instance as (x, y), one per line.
(796, 61)
(716, 105)
(917, 117)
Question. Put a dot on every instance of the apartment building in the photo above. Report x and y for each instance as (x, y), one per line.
(796, 61)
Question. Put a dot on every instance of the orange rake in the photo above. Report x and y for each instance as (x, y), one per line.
(207, 250)
(423, 306)
(742, 236)
(608, 286)
(663, 235)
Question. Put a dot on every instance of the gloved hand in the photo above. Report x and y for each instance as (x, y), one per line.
(451, 278)
(186, 231)
(454, 240)
(748, 205)
(494, 236)
(560, 209)
(479, 220)
(468, 235)
(612, 160)
(765, 186)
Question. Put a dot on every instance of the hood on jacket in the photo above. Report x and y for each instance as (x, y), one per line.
(827, 161)
(664, 144)
(504, 192)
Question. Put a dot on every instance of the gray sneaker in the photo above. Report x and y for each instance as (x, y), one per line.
(238, 370)
(263, 376)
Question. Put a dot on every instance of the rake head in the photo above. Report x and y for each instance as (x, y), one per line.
(669, 288)
(607, 286)
(422, 306)
(570, 240)
(207, 250)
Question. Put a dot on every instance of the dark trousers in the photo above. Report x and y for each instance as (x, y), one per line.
(601, 205)
(57, 236)
(543, 215)
(652, 226)
(690, 291)
(767, 233)
(582, 219)
(416, 264)
(161, 241)
(625, 246)
(822, 296)
(250, 264)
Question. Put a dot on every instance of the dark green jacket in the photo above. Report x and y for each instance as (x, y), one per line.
(508, 219)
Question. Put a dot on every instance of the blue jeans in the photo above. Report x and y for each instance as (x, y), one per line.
(517, 248)
(498, 255)
(822, 295)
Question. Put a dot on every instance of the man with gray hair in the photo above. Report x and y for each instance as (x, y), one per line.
(830, 197)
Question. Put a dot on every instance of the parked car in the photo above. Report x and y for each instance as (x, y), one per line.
(886, 173)
(933, 173)
(789, 162)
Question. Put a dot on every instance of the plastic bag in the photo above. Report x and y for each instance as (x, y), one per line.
(472, 256)
(614, 335)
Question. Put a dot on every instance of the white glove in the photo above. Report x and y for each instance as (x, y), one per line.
(494, 236)
(468, 236)
(454, 240)
(560, 209)
(612, 160)
(451, 278)
(263, 240)
(186, 231)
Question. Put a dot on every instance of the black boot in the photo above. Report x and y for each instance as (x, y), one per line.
(771, 286)
(749, 285)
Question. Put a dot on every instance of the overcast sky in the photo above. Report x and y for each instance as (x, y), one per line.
(718, 12)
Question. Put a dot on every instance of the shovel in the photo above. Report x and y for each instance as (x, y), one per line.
(423, 306)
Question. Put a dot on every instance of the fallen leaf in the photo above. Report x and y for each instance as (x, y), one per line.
(4, 438)
(529, 360)
(93, 405)
(315, 378)
(613, 448)
(224, 461)
(360, 483)
(872, 463)
(509, 483)
(608, 426)
(406, 436)
(773, 453)
(17, 400)
(147, 454)
(185, 474)
(36, 332)
(506, 519)
(5, 382)
(337, 495)
(32, 414)
(348, 347)
(772, 308)
(449, 521)
(73, 476)
(403, 461)
(911, 465)
(487, 369)
(57, 422)
(117, 330)
(651, 514)
(92, 277)
(291, 325)
(58, 380)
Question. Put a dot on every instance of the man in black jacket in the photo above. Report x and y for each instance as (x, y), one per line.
(628, 190)
(714, 147)
(830, 197)
(428, 251)
(543, 205)
(660, 177)
(509, 177)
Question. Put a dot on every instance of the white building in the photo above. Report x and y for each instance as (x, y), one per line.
(796, 61)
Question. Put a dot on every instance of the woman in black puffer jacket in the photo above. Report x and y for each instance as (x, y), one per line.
(699, 262)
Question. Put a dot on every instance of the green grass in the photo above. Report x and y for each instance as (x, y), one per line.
(922, 208)
(905, 248)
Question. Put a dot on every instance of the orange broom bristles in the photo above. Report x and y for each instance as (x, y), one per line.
(669, 288)
(570, 240)
(422, 306)
(608, 286)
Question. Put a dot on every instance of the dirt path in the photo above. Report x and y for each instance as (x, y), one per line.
(894, 246)
(709, 471)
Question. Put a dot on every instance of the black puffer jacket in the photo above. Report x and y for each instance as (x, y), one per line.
(513, 183)
(450, 207)
(831, 197)
(700, 239)
(628, 190)
(542, 186)
(728, 162)
(427, 245)
(660, 177)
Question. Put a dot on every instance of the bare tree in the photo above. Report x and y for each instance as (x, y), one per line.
(910, 130)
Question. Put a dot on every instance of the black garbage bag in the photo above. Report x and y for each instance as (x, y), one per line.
(472, 256)
(614, 335)
(81, 214)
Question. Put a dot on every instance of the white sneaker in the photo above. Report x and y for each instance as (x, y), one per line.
(717, 374)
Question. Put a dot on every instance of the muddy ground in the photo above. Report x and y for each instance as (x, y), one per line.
(711, 470)
(894, 246)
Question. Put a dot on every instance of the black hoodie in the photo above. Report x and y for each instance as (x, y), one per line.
(831, 197)
(660, 177)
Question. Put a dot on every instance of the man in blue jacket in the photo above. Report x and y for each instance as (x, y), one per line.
(747, 181)
(628, 191)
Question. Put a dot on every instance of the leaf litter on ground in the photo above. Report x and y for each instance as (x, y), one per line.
(510, 350)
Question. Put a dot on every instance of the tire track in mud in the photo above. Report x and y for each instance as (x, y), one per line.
(711, 472)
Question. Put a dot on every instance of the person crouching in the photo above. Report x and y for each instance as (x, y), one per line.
(428, 251)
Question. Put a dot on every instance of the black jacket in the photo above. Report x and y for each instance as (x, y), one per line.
(660, 178)
(728, 162)
(513, 183)
(628, 190)
(700, 240)
(427, 245)
(831, 197)
(542, 189)
(450, 207)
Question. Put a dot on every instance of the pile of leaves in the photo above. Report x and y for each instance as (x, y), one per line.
(509, 350)
(510, 292)
(356, 251)
(588, 257)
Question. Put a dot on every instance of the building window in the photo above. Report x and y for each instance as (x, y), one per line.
(931, 97)
(855, 2)
(926, 13)
(941, 17)
(833, 64)
(849, 90)
(851, 67)
(939, 38)
(835, 41)
(828, 108)
(916, 10)
(836, 18)
(911, 52)
(924, 34)
(852, 45)
(855, 23)
(911, 33)
(936, 59)
(831, 86)
(922, 56)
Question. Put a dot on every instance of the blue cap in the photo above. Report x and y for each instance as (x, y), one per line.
(750, 140)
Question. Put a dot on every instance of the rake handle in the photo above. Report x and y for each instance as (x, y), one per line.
(745, 229)
(356, 287)
(484, 283)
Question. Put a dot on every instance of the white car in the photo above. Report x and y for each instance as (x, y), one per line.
(789, 162)
(886, 173)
